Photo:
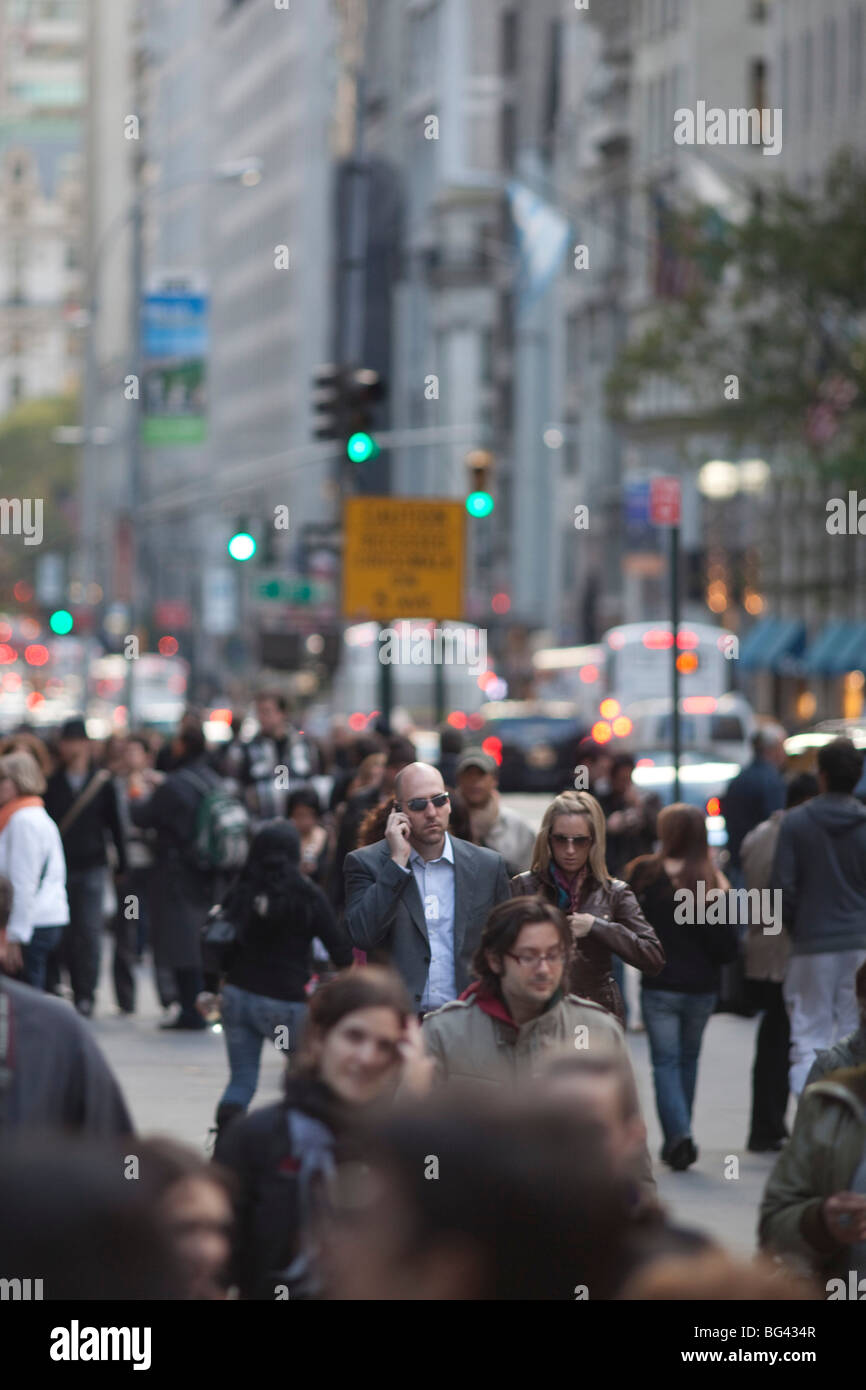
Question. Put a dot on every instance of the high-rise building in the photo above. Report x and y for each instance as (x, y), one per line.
(41, 94)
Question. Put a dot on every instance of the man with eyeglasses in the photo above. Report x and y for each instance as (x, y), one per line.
(418, 899)
(517, 1016)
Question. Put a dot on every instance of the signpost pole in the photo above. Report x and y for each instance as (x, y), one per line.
(439, 693)
(675, 670)
(386, 689)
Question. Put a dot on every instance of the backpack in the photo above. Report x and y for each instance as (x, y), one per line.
(222, 828)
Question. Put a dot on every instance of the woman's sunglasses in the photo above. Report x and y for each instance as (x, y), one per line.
(577, 840)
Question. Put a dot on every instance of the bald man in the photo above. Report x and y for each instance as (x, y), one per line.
(418, 899)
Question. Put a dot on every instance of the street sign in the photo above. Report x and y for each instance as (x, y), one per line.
(664, 501)
(403, 558)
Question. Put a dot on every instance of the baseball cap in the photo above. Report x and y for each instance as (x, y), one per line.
(476, 757)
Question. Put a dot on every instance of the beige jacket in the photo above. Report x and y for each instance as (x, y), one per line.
(470, 1048)
(766, 953)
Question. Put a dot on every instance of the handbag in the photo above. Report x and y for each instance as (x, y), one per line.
(219, 932)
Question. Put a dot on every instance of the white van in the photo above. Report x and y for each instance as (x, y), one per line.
(723, 725)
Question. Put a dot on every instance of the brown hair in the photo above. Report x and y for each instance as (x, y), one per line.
(572, 803)
(359, 987)
(504, 926)
(164, 1162)
(682, 833)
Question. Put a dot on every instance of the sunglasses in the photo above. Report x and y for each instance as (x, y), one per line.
(419, 803)
(577, 840)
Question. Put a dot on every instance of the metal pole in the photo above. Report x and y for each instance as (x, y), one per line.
(135, 451)
(439, 692)
(675, 670)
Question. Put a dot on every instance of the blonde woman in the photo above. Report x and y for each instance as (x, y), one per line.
(31, 857)
(568, 870)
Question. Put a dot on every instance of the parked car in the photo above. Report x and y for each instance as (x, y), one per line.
(703, 781)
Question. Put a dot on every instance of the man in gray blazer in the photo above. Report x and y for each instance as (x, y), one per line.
(418, 899)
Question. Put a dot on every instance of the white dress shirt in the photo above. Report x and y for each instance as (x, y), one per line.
(435, 880)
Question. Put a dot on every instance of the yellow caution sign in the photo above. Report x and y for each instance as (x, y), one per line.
(403, 558)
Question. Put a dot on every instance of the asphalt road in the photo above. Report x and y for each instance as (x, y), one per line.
(174, 1080)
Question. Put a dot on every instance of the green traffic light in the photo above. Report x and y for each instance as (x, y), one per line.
(479, 504)
(242, 546)
(361, 447)
(61, 622)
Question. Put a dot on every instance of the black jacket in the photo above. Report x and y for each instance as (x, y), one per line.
(820, 866)
(258, 1149)
(694, 953)
(273, 955)
(752, 797)
(181, 895)
(84, 842)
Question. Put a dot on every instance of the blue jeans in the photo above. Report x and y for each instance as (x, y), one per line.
(35, 955)
(675, 1025)
(248, 1019)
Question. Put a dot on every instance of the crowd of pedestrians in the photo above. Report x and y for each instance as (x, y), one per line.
(460, 1116)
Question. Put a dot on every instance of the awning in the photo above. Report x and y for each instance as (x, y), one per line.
(774, 644)
(852, 653)
(823, 656)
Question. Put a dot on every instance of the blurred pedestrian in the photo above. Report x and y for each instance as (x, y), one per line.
(137, 780)
(754, 794)
(488, 1200)
(814, 1205)
(630, 816)
(31, 857)
(277, 760)
(595, 761)
(418, 898)
(765, 964)
(305, 813)
(181, 890)
(52, 1074)
(569, 871)
(285, 1155)
(820, 867)
(277, 912)
(81, 798)
(450, 749)
(851, 1050)
(191, 1203)
(678, 1001)
(70, 1218)
(493, 824)
(400, 753)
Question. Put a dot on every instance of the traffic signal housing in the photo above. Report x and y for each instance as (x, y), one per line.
(344, 408)
(479, 501)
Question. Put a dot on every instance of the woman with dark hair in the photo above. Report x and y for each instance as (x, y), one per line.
(191, 1202)
(569, 870)
(361, 1041)
(671, 887)
(277, 912)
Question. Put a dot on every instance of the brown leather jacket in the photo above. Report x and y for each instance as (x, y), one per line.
(620, 928)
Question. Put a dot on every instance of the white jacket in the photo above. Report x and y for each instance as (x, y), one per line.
(29, 843)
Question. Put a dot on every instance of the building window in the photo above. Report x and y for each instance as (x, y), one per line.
(855, 54)
(510, 42)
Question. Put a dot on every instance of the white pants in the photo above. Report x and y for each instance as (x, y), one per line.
(821, 1004)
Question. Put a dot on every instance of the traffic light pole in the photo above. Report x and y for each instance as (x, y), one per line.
(675, 670)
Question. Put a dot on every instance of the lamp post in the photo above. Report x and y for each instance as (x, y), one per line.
(245, 171)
